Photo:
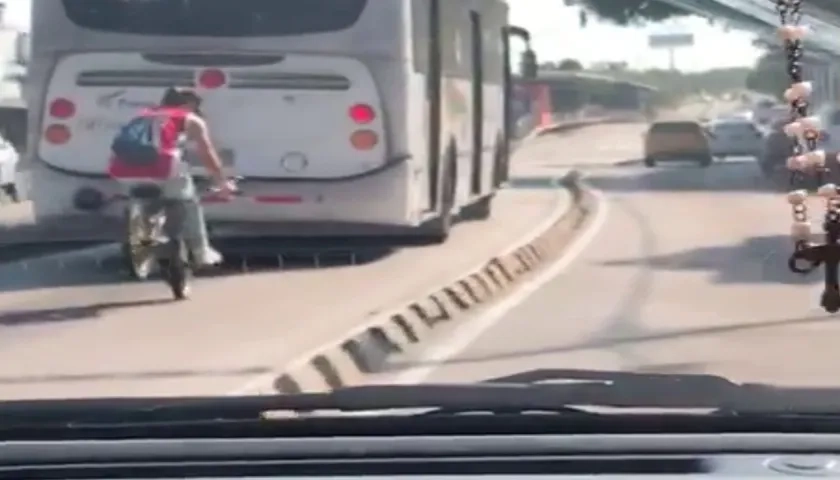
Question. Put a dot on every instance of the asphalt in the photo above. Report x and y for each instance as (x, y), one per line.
(70, 327)
(684, 273)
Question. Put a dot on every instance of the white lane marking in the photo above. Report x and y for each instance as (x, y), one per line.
(469, 332)
(254, 385)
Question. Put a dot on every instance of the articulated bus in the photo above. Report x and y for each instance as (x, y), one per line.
(344, 117)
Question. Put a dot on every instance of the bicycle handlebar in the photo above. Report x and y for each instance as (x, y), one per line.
(208, 178)
(214, 188)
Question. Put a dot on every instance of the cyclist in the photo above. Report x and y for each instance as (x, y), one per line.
(150, 148)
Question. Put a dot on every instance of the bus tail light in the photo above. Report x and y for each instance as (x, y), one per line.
(212, 78)
(362, 113)
(57, 134)
(62, 108)
(364, 139)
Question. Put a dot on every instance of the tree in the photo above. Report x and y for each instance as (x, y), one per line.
(570, 65)
(769, 75)
(626, 12)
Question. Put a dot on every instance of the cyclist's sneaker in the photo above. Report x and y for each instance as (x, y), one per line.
(208, 256)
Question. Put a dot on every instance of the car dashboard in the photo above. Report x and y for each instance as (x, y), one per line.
(499, 457)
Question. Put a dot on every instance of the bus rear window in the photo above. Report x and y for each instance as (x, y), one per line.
(215, 18)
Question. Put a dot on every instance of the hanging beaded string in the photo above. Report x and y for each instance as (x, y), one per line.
(802, 130)
(807, 161)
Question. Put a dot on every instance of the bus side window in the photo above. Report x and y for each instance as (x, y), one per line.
(529, 64)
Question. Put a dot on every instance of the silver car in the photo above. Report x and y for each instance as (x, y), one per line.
(735, 137)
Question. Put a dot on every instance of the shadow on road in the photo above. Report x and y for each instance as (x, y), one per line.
(51, 273)
(249, 256)
(754, 260)
(630, 340)
(22, 318)
(106, 267)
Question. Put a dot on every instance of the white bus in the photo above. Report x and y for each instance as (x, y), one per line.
(345, 117)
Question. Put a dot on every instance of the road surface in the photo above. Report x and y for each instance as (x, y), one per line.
(685, 272)
(69, 330)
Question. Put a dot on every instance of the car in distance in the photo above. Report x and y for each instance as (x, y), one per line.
(829, 117)
(681, 140)
(775, 150)
(735, 137)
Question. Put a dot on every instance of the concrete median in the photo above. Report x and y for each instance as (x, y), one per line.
(565, 126)
(366, 351)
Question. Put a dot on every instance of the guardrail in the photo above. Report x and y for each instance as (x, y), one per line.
(566, 122)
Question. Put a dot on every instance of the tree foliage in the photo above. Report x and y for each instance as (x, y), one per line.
(769, 75)
(674, 86)
(626, 12)
(570, 65)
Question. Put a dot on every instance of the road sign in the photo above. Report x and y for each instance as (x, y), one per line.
(671, 40)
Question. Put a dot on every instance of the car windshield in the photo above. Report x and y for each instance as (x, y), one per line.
(409, 193)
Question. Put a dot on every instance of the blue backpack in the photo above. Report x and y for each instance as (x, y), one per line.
(137, 142)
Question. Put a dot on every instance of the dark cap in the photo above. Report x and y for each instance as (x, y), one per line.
(178, 96)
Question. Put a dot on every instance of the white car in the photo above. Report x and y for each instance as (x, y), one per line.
(735, 137)
(8, 170)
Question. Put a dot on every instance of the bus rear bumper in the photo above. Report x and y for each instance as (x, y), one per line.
(381, 198)
(374, 204)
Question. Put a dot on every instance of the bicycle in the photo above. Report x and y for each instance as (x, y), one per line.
(154, 235)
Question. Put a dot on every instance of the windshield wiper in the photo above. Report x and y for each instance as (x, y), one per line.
(361, 399)
(560, 391)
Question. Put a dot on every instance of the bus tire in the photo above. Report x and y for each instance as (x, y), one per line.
(480, 210)
(441, 226)
(11, 192)
(501, 165)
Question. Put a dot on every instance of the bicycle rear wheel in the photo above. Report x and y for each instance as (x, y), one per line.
(138, 257)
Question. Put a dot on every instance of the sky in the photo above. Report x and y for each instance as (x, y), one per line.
(558, 35)
(17, 12)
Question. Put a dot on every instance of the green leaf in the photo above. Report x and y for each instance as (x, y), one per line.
(629, 12)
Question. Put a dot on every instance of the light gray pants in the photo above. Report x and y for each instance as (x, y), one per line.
(182, 188)
(195, 228)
